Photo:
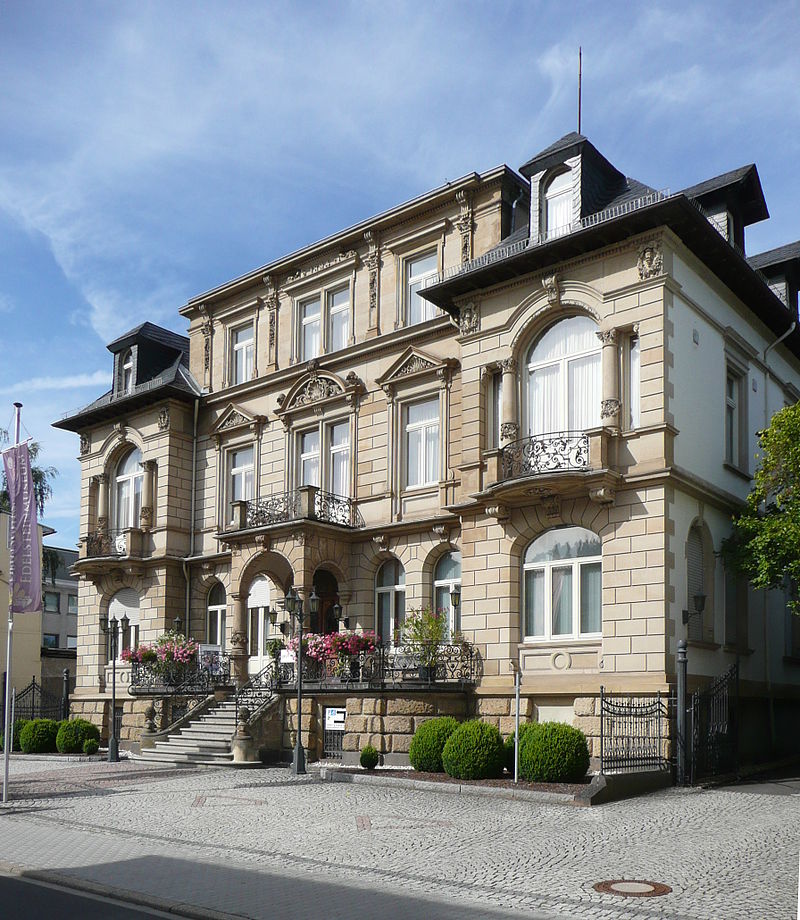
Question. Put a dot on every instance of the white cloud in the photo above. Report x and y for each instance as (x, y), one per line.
(67, 382)
(6, 304)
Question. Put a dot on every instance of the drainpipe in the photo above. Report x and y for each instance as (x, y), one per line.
(185, 564)
(770, 696)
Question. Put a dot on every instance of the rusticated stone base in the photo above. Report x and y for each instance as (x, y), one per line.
(97, 709)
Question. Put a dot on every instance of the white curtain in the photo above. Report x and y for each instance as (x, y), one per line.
(562, 601)
(635, 389)
(584, 392)
(534, 603)
(591, 598)
(545, 400)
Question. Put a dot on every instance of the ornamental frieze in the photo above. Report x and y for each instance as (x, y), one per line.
(321, 266)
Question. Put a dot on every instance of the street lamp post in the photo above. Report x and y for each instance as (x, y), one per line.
(110, 628)
(455, 602)
(294, 605)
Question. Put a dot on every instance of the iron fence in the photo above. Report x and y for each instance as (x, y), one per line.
(33, 702)
(634, 733)
(106, 543)
(174, 679)
(713, 729)
(283, 507)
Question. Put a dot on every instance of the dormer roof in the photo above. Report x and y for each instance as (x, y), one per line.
(739, 190)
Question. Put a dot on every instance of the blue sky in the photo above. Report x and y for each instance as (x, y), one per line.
(151, 151)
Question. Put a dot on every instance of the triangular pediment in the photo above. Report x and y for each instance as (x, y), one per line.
(233, 417)
(414, 363)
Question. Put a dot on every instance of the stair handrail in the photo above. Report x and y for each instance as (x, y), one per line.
(261, 687)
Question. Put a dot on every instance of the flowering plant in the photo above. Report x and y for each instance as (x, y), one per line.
(333, 645)
(424, 630)
(169, 655)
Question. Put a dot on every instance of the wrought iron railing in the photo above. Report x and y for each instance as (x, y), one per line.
(545, 453)
(34, 702)
(106, 543)
(713, 727)
(634, 733)
(420, 664)
(289, 506)
(258, 691)
(176, 679)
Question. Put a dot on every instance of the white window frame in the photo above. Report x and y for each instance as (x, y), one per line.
(563, 195)
(575, 564)
(72, 642)
(632, 381)
(494, 410)
(324, 455)
(423, 426)
(733, 417)
(132, 479)
(563, 378)
(453, 616)
(399, 587)
(219, 612)
(247, 348)
(429, 311)
(126, 373)
(69, 598)
(324, 297)
(231, 471)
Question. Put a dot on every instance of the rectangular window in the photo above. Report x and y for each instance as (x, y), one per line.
(591, 598)
(72, 641)
(732, 419)
(310, 329)
(339, 452)
(338, 319)
(633, 383)
(242, 353)
(240, 475)
(49, 640)
(51, 601)
(72, 603)
(495, 411)
(562, 600)
(308, 466)
(421, 452)
(534, 602)
(419, 273)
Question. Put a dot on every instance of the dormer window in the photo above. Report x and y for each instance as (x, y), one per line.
(127, 372)
(557, 212)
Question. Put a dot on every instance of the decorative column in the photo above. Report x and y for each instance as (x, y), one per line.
(509, 427)
(610, 406)
(101, 484)
(146, 513)
(206, 327)
(272, 305)
(238, 644)
(373, 262)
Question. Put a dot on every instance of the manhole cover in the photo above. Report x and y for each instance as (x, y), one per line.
(630, 888)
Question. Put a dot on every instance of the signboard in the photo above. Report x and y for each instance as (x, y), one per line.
(208, 658)
(287, 656)
(334, 719)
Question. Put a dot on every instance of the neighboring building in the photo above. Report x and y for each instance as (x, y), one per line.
(26, 663)
(545, 388)
(59, 623)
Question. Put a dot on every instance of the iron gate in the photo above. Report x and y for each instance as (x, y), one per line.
(713, 729)
(35, 703)
(333, 733)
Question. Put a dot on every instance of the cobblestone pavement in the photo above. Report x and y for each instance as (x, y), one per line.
(265, 844)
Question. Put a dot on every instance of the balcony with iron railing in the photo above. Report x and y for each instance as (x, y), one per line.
(113, 543)
(307, 503)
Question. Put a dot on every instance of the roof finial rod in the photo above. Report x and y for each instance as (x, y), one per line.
(580, 74)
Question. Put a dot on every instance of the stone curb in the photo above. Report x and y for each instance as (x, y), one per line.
(332, 775)
(56, 759)
(179, 908)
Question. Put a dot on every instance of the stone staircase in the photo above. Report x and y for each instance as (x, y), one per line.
(204, 740)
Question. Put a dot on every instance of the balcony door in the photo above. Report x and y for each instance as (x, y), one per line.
(260, 629)
(564, 379)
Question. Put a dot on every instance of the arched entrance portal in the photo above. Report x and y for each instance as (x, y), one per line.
(327, 589)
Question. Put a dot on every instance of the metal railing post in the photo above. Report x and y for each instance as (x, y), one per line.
(65, 695)
(681, 724)
(602, 728)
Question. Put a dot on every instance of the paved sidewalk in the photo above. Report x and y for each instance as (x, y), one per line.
(265, 844)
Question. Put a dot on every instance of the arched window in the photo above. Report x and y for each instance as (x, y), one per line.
(564, 383)
(125, 603)
(128, 501)
(446, 576)
(390, 599)
(557, 211)
(126, 376)
(562, 588)
(215, 625)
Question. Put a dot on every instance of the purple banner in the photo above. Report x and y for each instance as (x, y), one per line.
(26, 589)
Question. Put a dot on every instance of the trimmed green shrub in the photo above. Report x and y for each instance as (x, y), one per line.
(369, 758)
(551, 752)
(91, 746)
(39, 737)
(73, 733)
(474, 751)
(19, 724)
(428, 743)
(508, 744)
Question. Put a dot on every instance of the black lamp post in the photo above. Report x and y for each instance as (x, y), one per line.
(110, 628)
(294, 606)
(177, 623)
(455, 602)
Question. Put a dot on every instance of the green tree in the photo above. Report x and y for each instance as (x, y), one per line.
(43, 477)
(765, 543)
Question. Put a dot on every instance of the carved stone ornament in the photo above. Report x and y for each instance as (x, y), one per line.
(552, 507)
(609, 408)
(239, 639)
(469, 318)
(509, 431)
(442, 532)
(508, 365)
(205, 329)
(380, 540)
(163, 419)
(651, 261)
(413, 365)
(300, 539)
(552, 289)
(603, 495)
(86, 444)
(498, 511)
(234, 420)
(321, 266)
(465, 224)
(263, 542)
(316, 389)
(145, 517)
(373, 264)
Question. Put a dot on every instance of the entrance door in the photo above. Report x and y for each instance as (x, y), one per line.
(260, 629)
(327, 589)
